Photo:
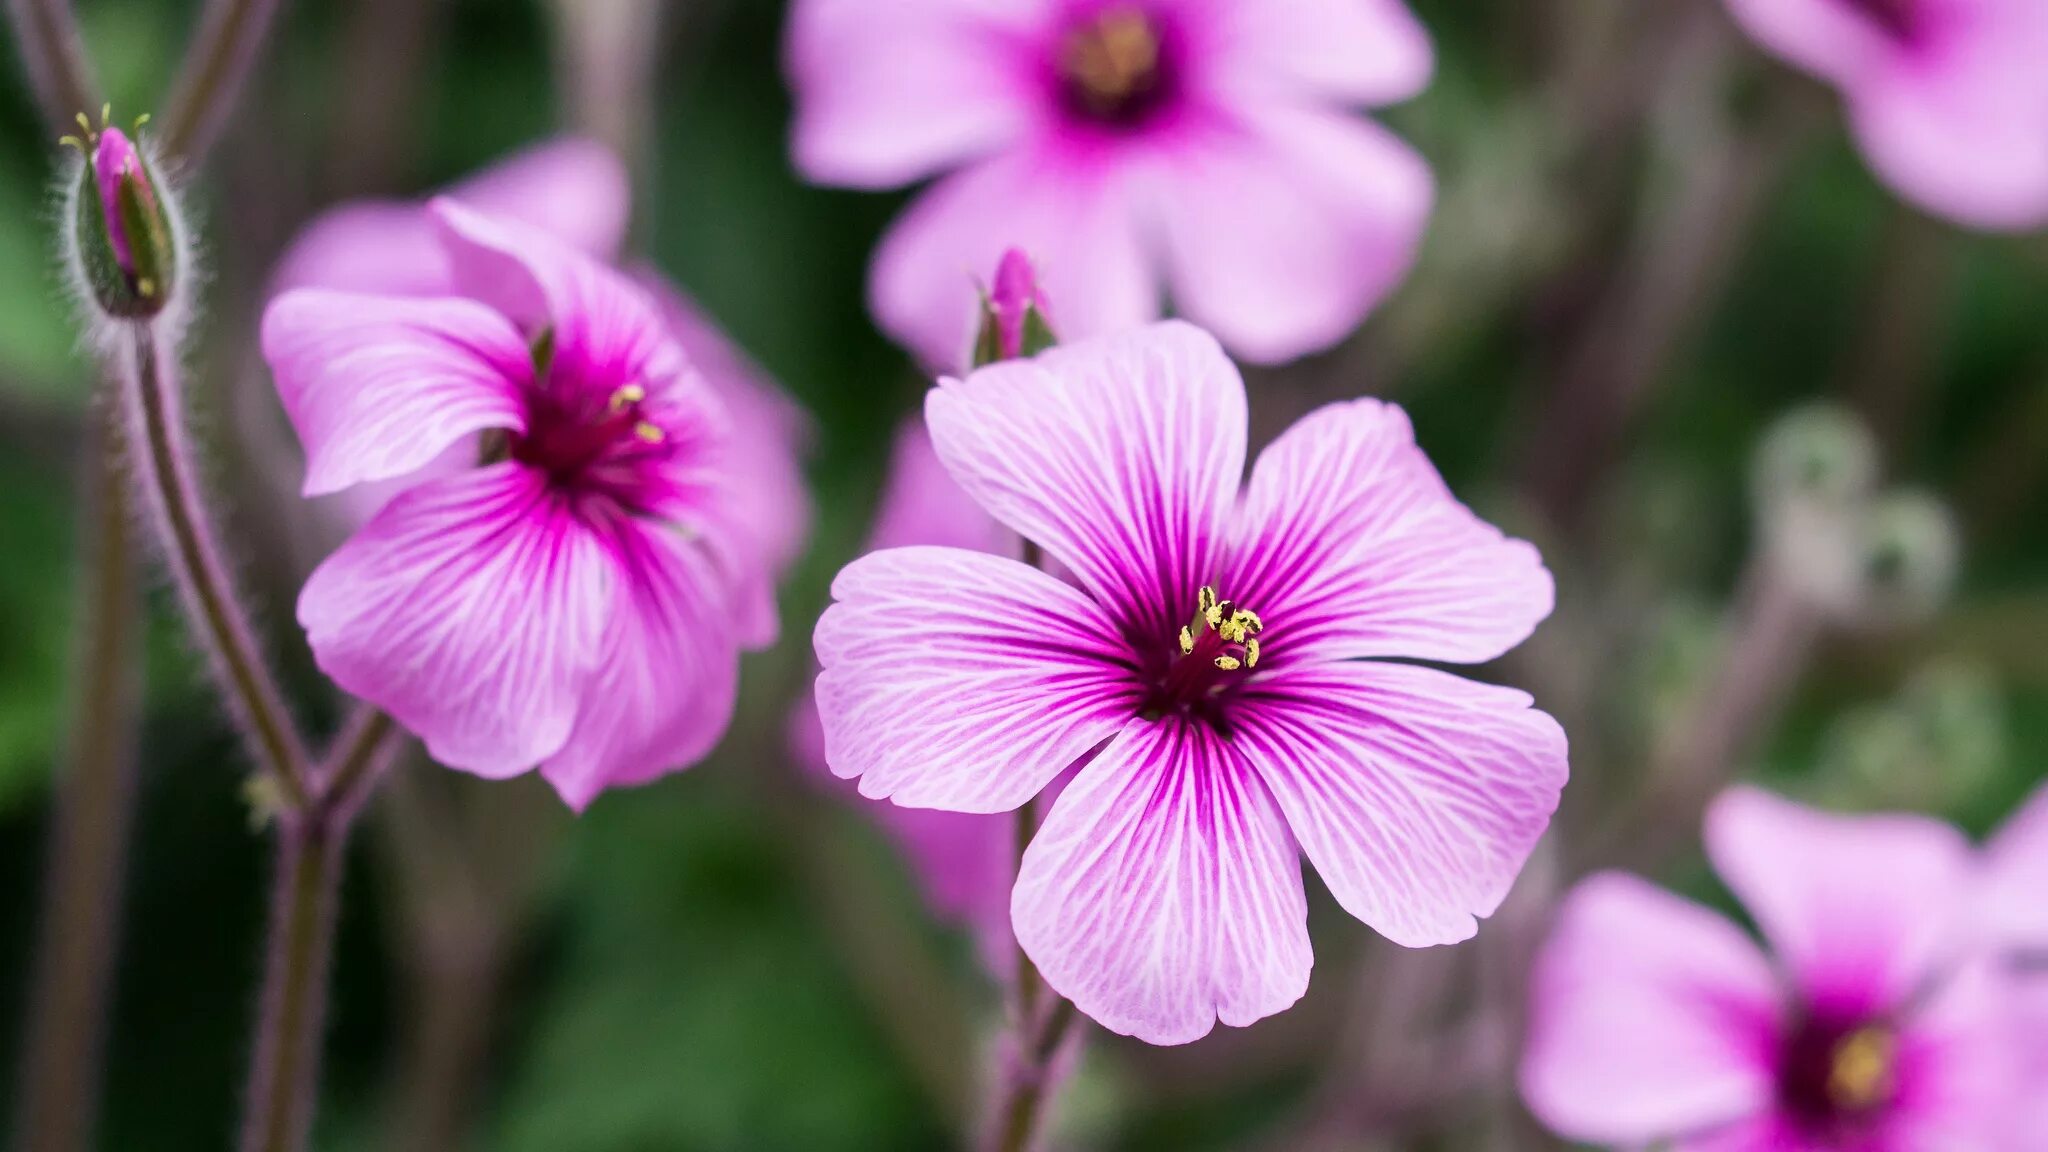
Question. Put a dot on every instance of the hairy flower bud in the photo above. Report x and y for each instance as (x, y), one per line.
(1015, 323)
(122, 228)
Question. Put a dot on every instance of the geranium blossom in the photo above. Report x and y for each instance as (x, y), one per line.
(1208, 664)
(1873, 1028)
(578, 599)
(1207, 144)
(1948, 98)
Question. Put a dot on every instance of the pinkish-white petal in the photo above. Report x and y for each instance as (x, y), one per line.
(473, 609)
(1833, 39)
(383, 246)
(1163, 893)
(760, 474)
(663, 693)
(890, 91)
(1963, 1074)
(1650, 1017)
(1965, 135)
(1120, 456)
(1418, 795)
(1358, 51)
(603, 327)
(572, 188)
(2016, 888)
(379, 386)
(1074, 223)
(1860, 910)
(1350, 545)
(1285, 227)
(959, 680)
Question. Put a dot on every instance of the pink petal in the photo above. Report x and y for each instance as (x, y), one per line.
(1861, 910)
(663, 693)
(473, 609)
(1417, 794)
(1162, 892)
(1650, 1017)
(893, 91)
(2016, 859)
(1120, 456)
(1966, 137)
(958, 680)
(1073, 222)
(1359, 51)
(761, 479)
(1352, 546)
(1961, 1066)
(1830, 38)
(1284, 230)
(604, 326)
(572, 188)
(921, 503)
(379, 386)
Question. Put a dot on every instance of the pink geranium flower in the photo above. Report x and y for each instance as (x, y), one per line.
(1948, 98)
(578, 599)
(1873, 1029)
(1121, 142)
(1205, 665)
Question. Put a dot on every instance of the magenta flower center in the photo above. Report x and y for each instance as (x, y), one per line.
(1115, 68)
(1212, 654)
(1836, 1078)
(1900, 19)
(569, 440)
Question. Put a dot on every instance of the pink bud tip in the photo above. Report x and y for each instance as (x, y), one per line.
(1016, 289)
(113, 160)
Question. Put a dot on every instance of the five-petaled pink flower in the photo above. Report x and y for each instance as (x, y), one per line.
(578, 599)
(1948, 98)
(1207, 143)
(1878, 1027)
(1206, 664)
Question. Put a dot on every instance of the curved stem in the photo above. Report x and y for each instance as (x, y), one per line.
(88, 855)
(54, 55)
(1040, 1021)
(217, 64)
(171, 489)
(279, 1104)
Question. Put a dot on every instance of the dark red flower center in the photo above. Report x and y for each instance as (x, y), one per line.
(1210, 656)
(1116, 68)
(566, 439)
(1835, 1077)
(1899, 19)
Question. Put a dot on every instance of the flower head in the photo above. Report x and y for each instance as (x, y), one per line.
(125, 236)
(1163, 891)
(1874, 1027)
(1203, 143)
(1016, 321)
(1947, 98)
(577, 599)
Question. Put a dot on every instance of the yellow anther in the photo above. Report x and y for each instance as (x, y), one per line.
(1860, 1076)
(1251, 653)
(629, 395)
(86, 124)
(650, 432)
(1187, 641)
(141, 120)
(106, 114)
(1251, 619)
(71, 142)
(1228, 663)
(145, 286)
(1205, 600)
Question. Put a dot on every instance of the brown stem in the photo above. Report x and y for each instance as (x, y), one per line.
(88, 853)
(1899, 336)
(216, 66)
(53, 53)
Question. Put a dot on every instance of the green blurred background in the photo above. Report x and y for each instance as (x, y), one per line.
(732, 959)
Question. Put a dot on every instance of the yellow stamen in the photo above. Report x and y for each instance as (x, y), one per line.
(141, 120)
(106, 114)
(1228, 663)
(86, 124)
(71, 142)
(1187, 641)
(1860, 1076)
(1251, 653)
(629, 395)
(145, 286)
(649, 432)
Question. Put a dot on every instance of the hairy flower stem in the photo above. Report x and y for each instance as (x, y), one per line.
(170, 487)
(88, 857)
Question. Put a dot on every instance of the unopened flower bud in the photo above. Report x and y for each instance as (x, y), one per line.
(1821, 453)
(1909, 557)
(123, 235)
(1015, 320)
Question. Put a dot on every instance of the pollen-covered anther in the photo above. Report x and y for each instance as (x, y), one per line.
(1861, 1075)
(649, 431)
(1223, 634)
(626, 397)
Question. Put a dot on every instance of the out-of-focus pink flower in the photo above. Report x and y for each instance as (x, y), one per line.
(1873, 1028)
(577, 600)
(2016, 866)
(1948, 98)
(1205, 668)
(1122, 143)
(963, 862)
